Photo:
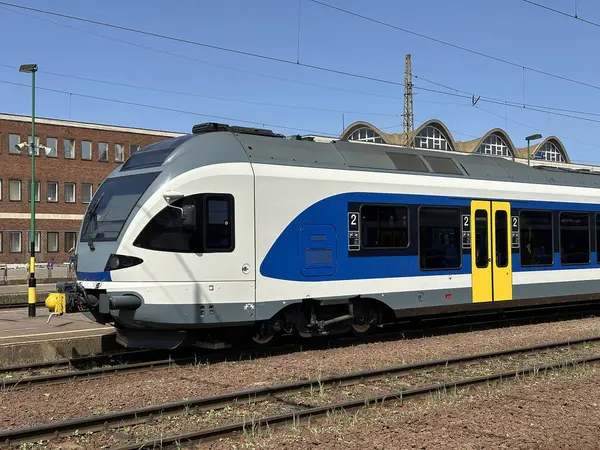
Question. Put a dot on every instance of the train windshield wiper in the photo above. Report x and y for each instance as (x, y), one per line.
(92, 216)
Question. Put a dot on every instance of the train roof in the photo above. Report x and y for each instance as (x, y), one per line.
(262, 146)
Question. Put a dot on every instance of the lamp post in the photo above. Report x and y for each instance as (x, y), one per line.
(528, 139)
(32, 69)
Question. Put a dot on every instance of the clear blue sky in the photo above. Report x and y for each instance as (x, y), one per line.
(509, 29)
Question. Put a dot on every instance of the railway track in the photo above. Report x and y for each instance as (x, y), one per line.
(139, 416)
(20, 305)
(127, 361)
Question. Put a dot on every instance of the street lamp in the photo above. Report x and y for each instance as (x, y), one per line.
(31, 299)
(533, 137)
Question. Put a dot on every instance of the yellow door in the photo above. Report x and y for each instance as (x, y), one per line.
(502, 254)
(481, 242)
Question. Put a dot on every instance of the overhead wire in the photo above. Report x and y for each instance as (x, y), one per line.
(162, 108)
(563, 13)
(456, 46)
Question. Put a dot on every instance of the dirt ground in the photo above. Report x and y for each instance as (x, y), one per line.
(553, 411)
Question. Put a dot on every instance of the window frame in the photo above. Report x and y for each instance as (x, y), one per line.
(589, 260)
(55, 148)
(57, 233)
(20, 190)
(20, 233)
(11, 148)
(553, 235)
(74, 192)
(1, 241)
(38, 188)
(361, 228)
(91, 186)
(66, 240)
(122, 159)
(458, 244)
(106, 146)
(47, 190)
(91, 158)
(38, 247)
(72, 148)
(1, 180)
(231, 206)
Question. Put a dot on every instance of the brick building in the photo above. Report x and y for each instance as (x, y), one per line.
(66, 179)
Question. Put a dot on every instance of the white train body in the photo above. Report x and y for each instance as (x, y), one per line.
(279, 236)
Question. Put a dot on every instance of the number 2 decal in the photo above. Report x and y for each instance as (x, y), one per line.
(515, 223)
(352, 219)
(466, 221)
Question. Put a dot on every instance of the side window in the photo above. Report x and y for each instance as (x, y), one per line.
(212, 231)
(597, 237)
(537, 247)
(384, 226)
(439, 238)
(168, 232)
(218, 226)
(574, 238)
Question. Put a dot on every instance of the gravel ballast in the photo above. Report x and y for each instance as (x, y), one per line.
(47, 404)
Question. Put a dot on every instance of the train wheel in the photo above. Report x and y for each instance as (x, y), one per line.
(360, 328)
(263, 335)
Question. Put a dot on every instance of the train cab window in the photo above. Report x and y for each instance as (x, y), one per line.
(384, 226)
(537, 246)
(209, 230)
(439, 238)
(574, 238)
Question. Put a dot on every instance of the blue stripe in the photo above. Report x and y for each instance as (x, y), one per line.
(93, 276)
(284, 258)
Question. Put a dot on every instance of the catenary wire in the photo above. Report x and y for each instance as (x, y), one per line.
(162, 108)
(456, 46)
(563, 13)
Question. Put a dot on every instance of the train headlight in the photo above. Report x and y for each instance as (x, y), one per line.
(121, 262)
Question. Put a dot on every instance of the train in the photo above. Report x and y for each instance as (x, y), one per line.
(232, 233)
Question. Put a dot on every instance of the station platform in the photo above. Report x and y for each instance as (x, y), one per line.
(25, 340)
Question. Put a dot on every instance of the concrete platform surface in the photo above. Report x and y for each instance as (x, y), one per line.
(26, 340)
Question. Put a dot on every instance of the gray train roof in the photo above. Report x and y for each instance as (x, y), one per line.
(217, 143)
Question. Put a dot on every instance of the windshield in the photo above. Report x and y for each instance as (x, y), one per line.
(111, 206)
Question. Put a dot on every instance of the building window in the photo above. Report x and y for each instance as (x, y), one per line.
(70, 240)
(53, 144)
(69, 192)
(86, 150)
(102, 151)
(432, 138)
(384, 226)
(52, 242)
(574, 238)
(549, 152)
(36, 145)
(0, 189)
(86, 192)
(14, 242)
(69, 147)
(38, 241)
(119, 152)
(13, 141)
(1, 237)
(133, 148)
(537, 246)
(38, 191)
(494, 145)
(52, 191)
(365, 134)
(439, 238)
(14, 190)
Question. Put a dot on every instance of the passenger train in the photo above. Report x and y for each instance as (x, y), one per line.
(231, 232)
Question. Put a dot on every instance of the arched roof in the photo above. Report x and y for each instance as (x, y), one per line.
(460, 146)
(472, 145)
(359, 124)
(556, 141)
(441, 127)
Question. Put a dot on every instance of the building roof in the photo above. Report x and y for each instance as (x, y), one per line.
(495, 139)
(94, 126)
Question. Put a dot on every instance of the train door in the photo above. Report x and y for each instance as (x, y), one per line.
(491, 251)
